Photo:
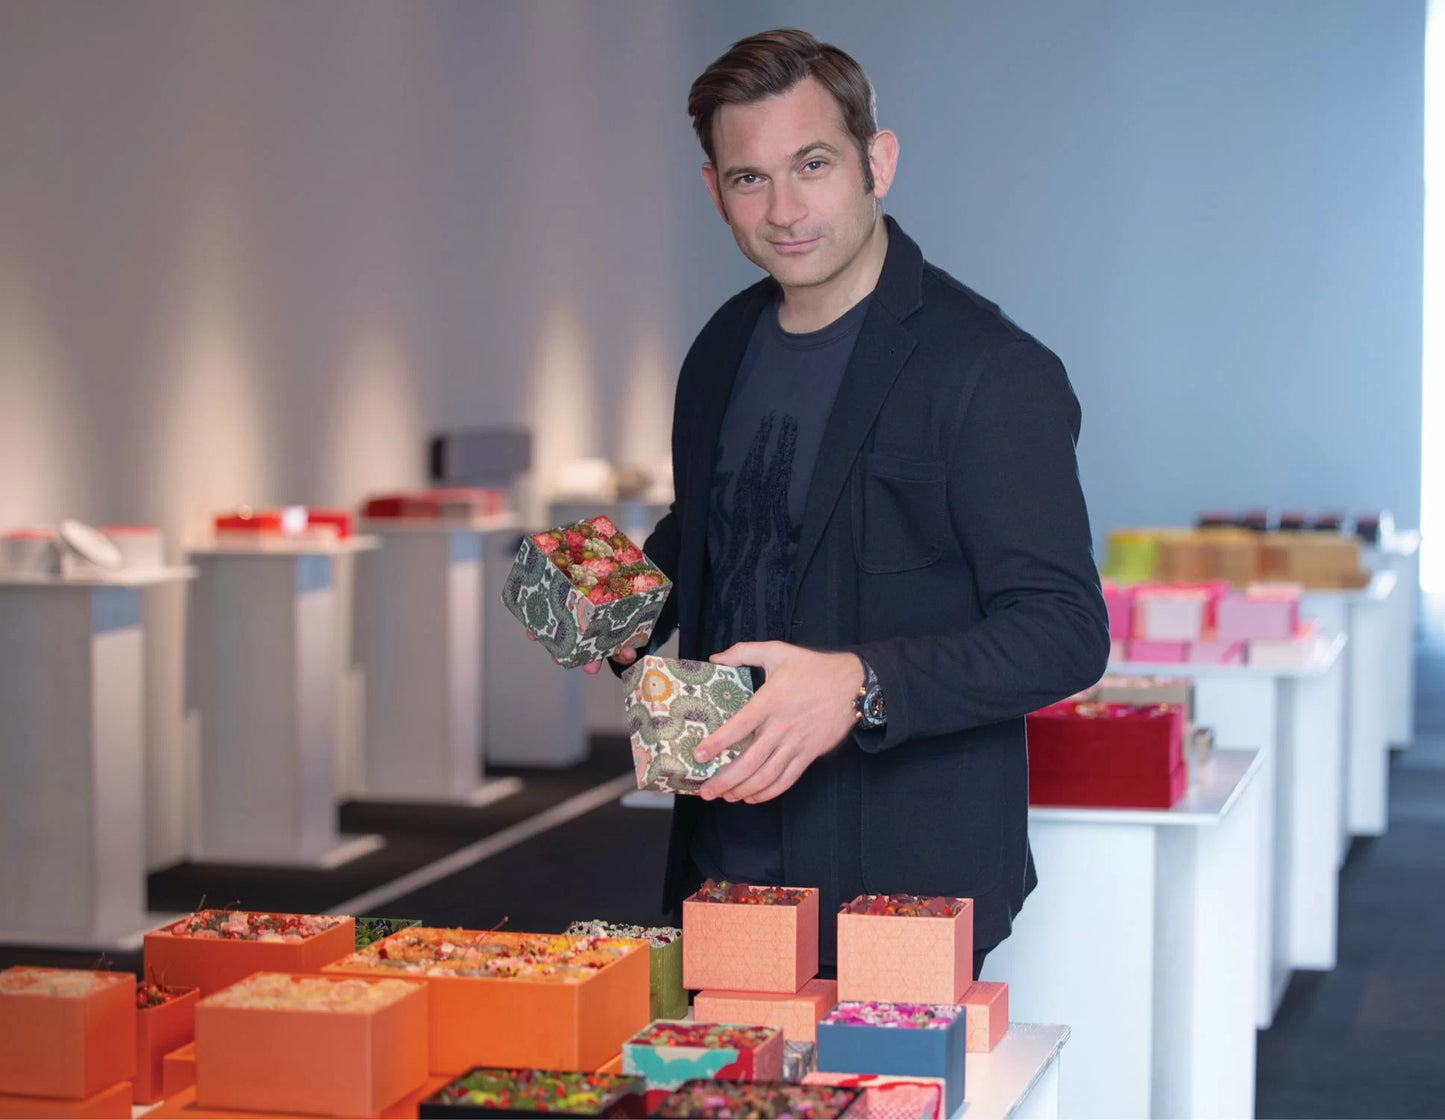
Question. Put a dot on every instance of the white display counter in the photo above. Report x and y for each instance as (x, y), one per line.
(419, 634)
(1400, 554)
(72, 786)
(1142, 934)
(265, 667)
(1296, 718)
(1019, 1079)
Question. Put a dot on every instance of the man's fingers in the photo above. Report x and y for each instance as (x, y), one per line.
(761, 654)
(791, 773)
(733, 731)
(625, 656)
(592, 668)
(765, 776)
(740, 769)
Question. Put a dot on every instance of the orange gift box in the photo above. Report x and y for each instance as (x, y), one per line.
(182, 1105)
(178, 1070)
(566, 1022)
(112, 1103)
(210, 964)
(339, 1061)
(746, 947)
(987, 1006)
(159, 1031)
(795, 1015)
(257, 521)
(65, 1032)
(893, 959)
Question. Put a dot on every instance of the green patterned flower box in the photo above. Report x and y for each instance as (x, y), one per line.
(585, 591)
(376, 929)
(671, 707)
(668, 998)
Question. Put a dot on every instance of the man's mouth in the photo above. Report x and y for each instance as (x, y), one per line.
(798, 246)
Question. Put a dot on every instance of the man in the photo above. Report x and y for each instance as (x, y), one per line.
(877, 506)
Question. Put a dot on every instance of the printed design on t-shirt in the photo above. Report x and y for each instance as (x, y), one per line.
(752, 569)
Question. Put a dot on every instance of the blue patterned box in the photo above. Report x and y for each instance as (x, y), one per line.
(907, 1039)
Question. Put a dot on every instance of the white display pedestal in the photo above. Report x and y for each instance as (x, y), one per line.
(1364, 616)
(72, 801)
(1400, 554)
(1296, 718)
(419, 613)
(532, 710)
(265, 679)
(1142, 935)
(1019, 1079)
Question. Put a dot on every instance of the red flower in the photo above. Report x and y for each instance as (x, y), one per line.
(604, 526)
(600, 595)
(573, 539)
(629, 556)
(547, 543)
(600, 565)
(645, 583)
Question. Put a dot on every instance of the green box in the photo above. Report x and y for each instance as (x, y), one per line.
(667, 996)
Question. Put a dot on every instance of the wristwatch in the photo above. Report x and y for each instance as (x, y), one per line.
(869, 708)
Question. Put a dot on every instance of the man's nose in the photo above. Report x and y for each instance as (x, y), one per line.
(786, 206)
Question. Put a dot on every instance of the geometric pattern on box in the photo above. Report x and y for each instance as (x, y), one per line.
(672, 706)
(161, 1030)
(906, 959)
(533, 1092)
(573, 1018)
(213, 962)
(65, 1032)
(795, 1015)
(333, 1046)
(750, 948)
(903, 1039)
(888, 1098)
(763, 1099)
(565, 622)
(987, 1006)
(668, 1054)
(667, 998)
(1106, 755)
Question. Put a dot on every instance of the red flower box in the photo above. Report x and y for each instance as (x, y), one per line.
(1107, 756)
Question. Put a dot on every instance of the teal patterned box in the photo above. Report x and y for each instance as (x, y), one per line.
(672, 706)
(585, 591)
(668, 998)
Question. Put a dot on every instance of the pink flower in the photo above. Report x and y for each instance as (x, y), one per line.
(600, 595)
(604, 526)
(600, 565)
(645, 583)
(573, 538)
(547, 543)
(629, 556)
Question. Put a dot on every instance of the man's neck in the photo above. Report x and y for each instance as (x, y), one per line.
(812, 308)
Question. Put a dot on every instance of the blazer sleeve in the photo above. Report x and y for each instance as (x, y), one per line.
(1018, 511)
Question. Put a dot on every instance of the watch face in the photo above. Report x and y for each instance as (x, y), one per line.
(877, 711)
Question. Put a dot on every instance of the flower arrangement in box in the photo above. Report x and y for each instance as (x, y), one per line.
(212, 949)
(369, 930)
(65, 1032)
(241, 925)
(765, 1099)
(667, 998)
(744, 938)
(904, 948)
(471, 953)
(669, 1053)
(509, 1092)
(585, 591)
(672, 705)
(165, 1020)
(903, 1039)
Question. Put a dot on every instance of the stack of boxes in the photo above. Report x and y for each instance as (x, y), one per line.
(1207, 623)
(1315, 559)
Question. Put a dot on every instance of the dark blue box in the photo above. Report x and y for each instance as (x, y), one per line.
(900, 1051)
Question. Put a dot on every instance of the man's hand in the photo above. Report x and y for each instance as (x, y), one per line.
(622, 657)
(804, 710)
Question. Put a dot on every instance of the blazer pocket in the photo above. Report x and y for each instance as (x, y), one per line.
(900, 513)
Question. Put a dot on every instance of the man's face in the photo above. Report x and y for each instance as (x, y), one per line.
(789, 181)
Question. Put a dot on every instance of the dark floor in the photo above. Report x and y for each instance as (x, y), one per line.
(1366, 1040)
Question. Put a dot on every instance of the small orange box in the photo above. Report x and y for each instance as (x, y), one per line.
(987, 1004)
(324, 1062)
(178, 1071)
(66, 1045)
(112, 1103)
(893, 959)
(211, 964)
(160, 1031)
(527, 1022)
(750, 948)
(796, 1015)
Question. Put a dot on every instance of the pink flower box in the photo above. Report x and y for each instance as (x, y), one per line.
(1261, 613)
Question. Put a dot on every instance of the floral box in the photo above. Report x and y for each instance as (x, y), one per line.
(165, 1020)
(319, 1045)
(888, 1098)
(533, 1092)
(212, 949)
(111, 1103)
(377, 929)
(905, 949)
(903, 1039)
(762, 1099)
(672, 706)
(750, 939)
(585, 591)
(986, 1004)
(668, 1053)
(520, 1000)
(795, 1015)
(667, 998)
(65, 1032)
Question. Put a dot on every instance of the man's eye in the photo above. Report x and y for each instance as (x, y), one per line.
(814, 164)
(747, 180)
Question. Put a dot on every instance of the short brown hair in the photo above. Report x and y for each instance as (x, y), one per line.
(772, 63)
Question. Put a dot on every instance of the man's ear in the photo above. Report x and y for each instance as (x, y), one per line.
(883, 159)
(709, 176)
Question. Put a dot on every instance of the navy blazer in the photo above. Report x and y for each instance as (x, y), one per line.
(945, 540)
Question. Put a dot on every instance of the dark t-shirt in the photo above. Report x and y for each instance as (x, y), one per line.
(766, 452)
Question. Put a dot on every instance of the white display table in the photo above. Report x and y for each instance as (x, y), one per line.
(265, 671)
(72, 787)
(419, 627)
(1019, 1079)
(1364, 616)
(1400, 554)
(1296, 718)
(1142, 935)
(532, 710)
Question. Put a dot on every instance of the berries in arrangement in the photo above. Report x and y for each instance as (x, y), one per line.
(459, 952)
(542, 1091)
(904, 906)
(915, 1016)
(745, 895)
(242, 925)
(599, 560)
